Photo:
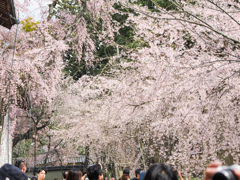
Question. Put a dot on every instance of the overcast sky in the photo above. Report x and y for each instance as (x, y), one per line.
(34, 8)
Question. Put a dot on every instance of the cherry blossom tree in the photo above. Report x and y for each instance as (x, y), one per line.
(38, 65)
(175, 102)
(35, 76)
(171, 97)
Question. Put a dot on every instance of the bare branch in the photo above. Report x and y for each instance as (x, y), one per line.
(224, 11)
(77, 20)
(51, 6)
(201, 23)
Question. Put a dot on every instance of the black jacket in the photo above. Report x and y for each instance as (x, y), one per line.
(12, 172)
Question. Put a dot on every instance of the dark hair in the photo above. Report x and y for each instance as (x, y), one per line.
(94, 171)
(34, 178)
(137, 171)
(40, 170)
(74, 175)
(20, 164)
(126, 171)
(125, 177)
(64, 174)
(160, 172)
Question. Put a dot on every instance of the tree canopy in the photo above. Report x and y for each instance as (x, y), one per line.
(134, 82)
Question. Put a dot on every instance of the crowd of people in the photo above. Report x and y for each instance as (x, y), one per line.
(94, 172)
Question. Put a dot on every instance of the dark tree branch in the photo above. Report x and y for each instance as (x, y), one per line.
(28, 134)
(49, 146)
(51, 7)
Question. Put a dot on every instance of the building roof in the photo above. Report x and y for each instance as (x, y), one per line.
(7, 13)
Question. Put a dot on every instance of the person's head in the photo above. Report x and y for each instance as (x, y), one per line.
(21, 165)
(125, 177)
(161, 172)
(64, 174)
(74, 175)
(41, 173)
(126, 171)
(94, 172)
(137, 173)
(34, 178)
(12, 172)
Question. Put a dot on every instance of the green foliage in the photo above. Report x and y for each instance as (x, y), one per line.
(151, 4)
(120, 18)
(72, 66)
(189, 41)
(29, 25)
(120, 8)
(124, 37)
(77, 69)
(65, 5)
(2, 43)
(81, 150)
(22, 149)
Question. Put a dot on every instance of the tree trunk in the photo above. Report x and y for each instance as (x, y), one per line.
(86, 162)
(6, 144)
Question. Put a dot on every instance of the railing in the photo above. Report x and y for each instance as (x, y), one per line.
(70, 160)
(52, 160)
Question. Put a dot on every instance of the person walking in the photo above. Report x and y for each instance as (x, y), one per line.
(41, 173)
(74, 175)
